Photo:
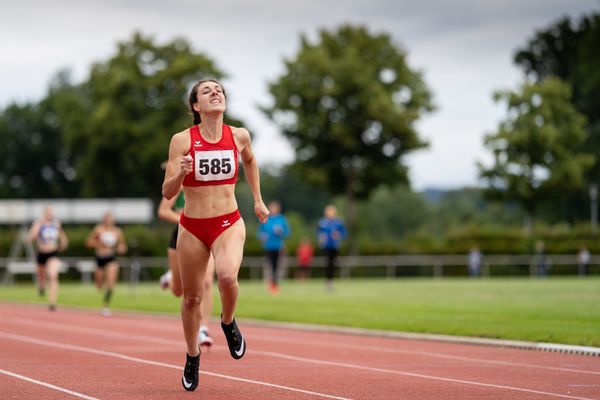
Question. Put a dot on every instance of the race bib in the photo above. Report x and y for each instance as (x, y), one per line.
(214, 165)
(48, 234)
(109, 239)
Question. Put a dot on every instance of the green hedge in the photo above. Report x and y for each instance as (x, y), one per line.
(558, 239)
(143, 240)
(152, 240)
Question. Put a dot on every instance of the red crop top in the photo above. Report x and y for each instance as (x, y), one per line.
(214, 163)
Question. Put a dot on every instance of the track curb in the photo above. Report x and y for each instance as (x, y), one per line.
(512, 344)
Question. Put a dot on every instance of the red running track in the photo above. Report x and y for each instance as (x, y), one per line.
(80, 354)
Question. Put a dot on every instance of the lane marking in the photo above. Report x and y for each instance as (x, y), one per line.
(299, 359)
(57, 345)
(416, 375)
(421, 353)
(369, 333)
(60, 326)
(48, 385)
(590, 385)
(150, 323)
(91, 331)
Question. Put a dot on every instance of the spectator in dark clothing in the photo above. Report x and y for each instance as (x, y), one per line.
(330, 232)
(272, 234)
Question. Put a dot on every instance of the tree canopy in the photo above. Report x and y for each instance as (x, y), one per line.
(348, 104)
(570, 50)
(128, 109)
(536, 148)
(34, 161)
(105, 136)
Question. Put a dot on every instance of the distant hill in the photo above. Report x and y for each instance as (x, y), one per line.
(433, 195)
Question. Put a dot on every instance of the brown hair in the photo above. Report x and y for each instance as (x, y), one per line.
(193, 99)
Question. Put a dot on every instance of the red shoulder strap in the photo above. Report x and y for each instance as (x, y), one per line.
(227, 128)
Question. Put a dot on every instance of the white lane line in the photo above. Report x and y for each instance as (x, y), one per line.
(92, 331)
(415, 375)
(421, 353)
(48, 385)
(343, 365)
(370, 349)
(591, 385)
(24, 321)
(65, 346)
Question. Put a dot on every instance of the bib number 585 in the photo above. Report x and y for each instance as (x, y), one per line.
(214, 166)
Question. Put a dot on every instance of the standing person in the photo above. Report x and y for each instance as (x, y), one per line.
(204, 159)
(50, 239)
(583, 260)
(330, 232)
(170, 211)
(272, 234)
(304, 256)
(474, 261)
(542, 262)
(107, 240)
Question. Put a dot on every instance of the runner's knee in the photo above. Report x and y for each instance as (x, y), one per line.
(227, 281)
(191, 301)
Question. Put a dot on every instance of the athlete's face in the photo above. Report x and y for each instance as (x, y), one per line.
(48, 214)
(108, 219)
(210, 98)
(330, 212)
(274, 208)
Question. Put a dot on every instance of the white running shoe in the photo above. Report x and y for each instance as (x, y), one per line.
(204, 338)
(105, 312)
(165, 279)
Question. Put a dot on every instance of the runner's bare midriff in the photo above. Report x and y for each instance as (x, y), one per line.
(47, 248)
(209, 201)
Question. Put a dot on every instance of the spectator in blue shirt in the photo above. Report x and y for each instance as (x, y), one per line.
(272, 235)
(331, 231)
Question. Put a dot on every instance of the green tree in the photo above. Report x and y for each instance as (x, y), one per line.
(120, 120)
(569, 50)
(536, 148)
(468, 206)
(293, 192)
(348, 104)
(392, 212)
(34, 161)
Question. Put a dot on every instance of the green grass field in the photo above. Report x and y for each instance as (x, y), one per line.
(557, 310)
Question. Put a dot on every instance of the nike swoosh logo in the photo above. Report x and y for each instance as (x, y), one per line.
(186, 384)
(241, 350)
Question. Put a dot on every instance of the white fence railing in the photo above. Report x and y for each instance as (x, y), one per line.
(392, 264)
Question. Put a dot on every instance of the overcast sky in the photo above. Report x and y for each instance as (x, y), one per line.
(464, 49)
